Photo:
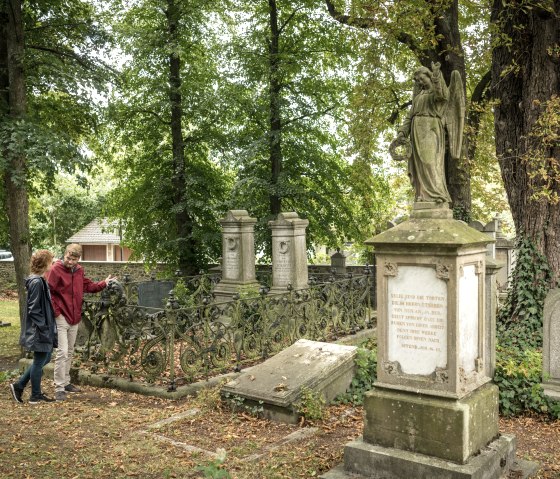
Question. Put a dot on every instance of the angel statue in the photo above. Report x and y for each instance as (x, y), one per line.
(436, 111)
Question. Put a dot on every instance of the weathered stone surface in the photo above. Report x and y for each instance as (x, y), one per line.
(377, 462)
(289, 252)
(154, 294)
(491, 308)
(324, 367)
(431, 313)
(238, 255)
(551, 345)
(448, 429)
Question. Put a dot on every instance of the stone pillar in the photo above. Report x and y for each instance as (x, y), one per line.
(433, 410)
(338, 262)
(238, 254)
(289, 252)
(491, 287)
(505, 254)
(551, 345)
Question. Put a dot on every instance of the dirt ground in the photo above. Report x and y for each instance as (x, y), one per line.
(106, 434)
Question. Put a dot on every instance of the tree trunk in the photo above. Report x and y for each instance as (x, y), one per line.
(275, 121)
(184, 226)
(449, 52)
(15, 176)
(526, 81)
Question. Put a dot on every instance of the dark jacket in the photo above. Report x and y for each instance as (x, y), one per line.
(40, 327)
(68, 288)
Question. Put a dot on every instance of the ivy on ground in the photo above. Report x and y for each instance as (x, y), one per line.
(519, 336)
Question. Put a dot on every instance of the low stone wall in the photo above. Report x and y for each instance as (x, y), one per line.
(95, 270)
(98, 270)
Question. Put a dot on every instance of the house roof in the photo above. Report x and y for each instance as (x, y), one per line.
(99, 231)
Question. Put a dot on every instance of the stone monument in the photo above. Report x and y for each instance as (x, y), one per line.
(289, 252)
(238, 255)
(433, 412)
(551, 345)
(338, 262)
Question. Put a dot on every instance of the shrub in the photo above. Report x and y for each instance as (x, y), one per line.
(364, 377)
(311, 404)
(518, 375)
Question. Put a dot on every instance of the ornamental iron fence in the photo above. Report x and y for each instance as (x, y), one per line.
(193, 337)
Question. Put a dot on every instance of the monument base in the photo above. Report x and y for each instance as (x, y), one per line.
(225, 290)
(449, 429)
(551, 389)
(377, 462)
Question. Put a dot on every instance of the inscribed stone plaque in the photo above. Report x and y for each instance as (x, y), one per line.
(231, 258)
(417, 320)
(468, 319)
(154, 294)
(283, 268)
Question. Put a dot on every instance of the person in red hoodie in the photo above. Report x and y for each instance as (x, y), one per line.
(68, 284)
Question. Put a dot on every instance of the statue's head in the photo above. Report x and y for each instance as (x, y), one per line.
(422, 80)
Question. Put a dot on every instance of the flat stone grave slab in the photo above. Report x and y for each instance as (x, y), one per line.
(277, 383)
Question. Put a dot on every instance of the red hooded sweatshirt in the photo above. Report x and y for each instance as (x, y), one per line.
(67, 290)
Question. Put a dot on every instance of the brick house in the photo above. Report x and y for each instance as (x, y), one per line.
(100, 241)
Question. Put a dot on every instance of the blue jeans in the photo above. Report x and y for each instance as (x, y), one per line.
(34, 373)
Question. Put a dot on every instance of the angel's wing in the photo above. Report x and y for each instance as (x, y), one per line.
(455, 115)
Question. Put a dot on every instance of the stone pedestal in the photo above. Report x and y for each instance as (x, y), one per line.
(491, 304)
(551, 345)
(432, 409)
(238, 255)
(289, 252)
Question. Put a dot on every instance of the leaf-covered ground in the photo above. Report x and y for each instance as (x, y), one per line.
(109, 434)
(106, 434)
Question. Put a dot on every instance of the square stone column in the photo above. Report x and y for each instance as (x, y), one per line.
(238, 254)
(433, 411)
(289, 252)
(551, 345)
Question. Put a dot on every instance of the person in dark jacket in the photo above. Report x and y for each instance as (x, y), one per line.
(39, 334)
(68, 285)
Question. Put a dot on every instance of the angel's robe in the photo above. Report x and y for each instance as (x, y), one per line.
(424, 124)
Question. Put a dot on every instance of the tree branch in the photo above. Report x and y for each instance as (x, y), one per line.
(289, 19)
(301, 117)
(348, 19)
(153, 113)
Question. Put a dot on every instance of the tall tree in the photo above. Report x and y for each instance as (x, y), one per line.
(526, 83)
(167, 132)
(288, 65)
(47, 72)
(13, 110)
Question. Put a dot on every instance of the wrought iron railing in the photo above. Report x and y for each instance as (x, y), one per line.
(179, 345)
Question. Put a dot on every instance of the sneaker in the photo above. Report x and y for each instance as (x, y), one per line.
(70, 388)
(16, 393)
(39, 399)
(60, 396)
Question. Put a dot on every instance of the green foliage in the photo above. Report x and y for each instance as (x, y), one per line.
(365, 375)
(138, 142)
(340, 198)
(237, 403)
(311, 404)
(518, 375)
(519, 322)
(183, 294)
(62, 210)
(214, 469)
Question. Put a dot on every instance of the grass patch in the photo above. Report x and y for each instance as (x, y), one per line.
(9, 335)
